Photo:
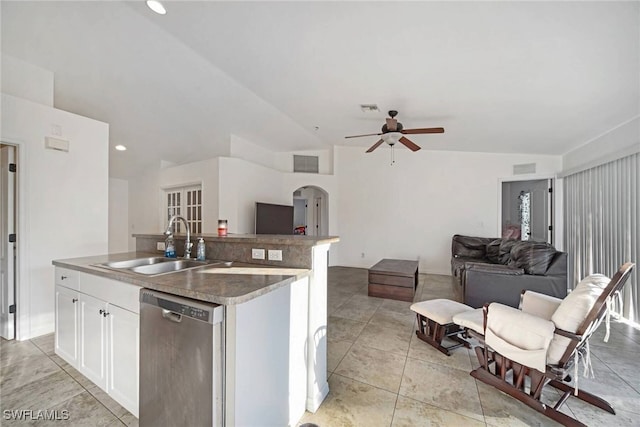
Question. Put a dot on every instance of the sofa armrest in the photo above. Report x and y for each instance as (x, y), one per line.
(494, 268)
(538, 304)
(481, 286)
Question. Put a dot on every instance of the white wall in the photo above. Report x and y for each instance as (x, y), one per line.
(26, 81)
(242, 184)
(616, 143)
(62, 201)
(146, 195)
(242, 149)
(119, 236)
(410, 210)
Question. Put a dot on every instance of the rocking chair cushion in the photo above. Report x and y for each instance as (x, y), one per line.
(519, 336)
(573, 311)
(540, 305)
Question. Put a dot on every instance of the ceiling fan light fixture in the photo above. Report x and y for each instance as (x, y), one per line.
(391, 138)
(157, 7)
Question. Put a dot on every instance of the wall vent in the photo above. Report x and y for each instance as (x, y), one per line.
(305, 164)
(524, 168)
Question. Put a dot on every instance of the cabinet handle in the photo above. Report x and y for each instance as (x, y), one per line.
(75, 300)
(101, 312)
(63, 277)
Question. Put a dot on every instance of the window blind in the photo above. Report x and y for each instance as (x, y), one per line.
(601, 207)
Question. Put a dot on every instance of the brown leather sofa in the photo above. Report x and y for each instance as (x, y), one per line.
(486, 269)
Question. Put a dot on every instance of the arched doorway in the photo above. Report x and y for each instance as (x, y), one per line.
(311, 211)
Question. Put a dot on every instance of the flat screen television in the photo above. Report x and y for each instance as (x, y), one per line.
(274, 219)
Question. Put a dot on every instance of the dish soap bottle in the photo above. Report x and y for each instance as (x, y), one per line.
(200, 254)
(170, 247)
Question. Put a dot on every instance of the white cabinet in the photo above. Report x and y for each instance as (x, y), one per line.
(123, 329)
(93, 340)
(98, 332)
(66, 337)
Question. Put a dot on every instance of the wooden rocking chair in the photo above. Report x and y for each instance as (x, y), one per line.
(543, 341)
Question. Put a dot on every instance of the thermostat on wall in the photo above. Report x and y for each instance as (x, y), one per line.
(56, 144)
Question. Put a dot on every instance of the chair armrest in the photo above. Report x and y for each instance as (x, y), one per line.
(494, 268)
(521, 337)
(538, 304)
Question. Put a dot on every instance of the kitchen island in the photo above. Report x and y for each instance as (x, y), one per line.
(274, 321)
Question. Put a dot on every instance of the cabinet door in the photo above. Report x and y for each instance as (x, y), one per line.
(123, 368)
(93, 340)
(66, 333)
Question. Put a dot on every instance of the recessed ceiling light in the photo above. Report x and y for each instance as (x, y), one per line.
(121, 148)
(156, 6)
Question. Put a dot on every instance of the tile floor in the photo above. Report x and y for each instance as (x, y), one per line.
(379, 373)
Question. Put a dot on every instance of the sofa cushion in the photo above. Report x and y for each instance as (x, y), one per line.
(468, 246)
(493, 251)
(533, 257)
(505, 250)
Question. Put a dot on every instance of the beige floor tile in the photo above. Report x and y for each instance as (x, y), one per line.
(401, 307)
(412, 413)
(83, 410)
(41, 394)
(129, 420)
(341, 329)
(459, 358)
(447, 388)
(502, 410)
(393, 319)
(107, 401)
(374, 367)
(27, 370)
(16, 351)
(358, 307)
(593, 416)
(45, 343)
(387, 339)
(335, 352)
(353, 404)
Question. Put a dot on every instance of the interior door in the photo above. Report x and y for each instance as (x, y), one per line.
(7, 245)
(540, 210)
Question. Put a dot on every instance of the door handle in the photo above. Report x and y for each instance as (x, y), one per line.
(74, 300)
(170, 315)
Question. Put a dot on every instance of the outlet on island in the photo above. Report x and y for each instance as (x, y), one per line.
(275, 255)
(160, 246)
(257, 253)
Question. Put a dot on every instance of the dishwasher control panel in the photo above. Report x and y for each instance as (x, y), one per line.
(195, 310)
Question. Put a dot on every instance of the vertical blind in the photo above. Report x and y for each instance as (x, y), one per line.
(602, 226)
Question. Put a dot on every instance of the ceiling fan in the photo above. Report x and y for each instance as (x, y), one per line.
(393, 132)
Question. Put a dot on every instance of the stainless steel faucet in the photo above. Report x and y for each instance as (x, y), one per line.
(187, 244)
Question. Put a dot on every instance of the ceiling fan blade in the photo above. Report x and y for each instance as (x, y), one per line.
(392, 125)
(374, 146)
(368, 134)
(422, 130)
(409, 144)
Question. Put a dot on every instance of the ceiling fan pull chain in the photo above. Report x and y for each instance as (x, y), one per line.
(393, 157)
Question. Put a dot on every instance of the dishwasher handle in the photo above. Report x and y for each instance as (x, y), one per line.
(170, 315)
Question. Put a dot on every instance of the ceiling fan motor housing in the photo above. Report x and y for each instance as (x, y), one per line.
(398, 128)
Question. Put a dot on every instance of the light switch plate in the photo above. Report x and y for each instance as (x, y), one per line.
(275, 255)
(160, 246)
(257, 253)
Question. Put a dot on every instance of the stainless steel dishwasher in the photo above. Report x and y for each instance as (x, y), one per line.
(181, 361)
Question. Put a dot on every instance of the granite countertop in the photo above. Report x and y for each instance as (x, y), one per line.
(250, 238)
(222, 285)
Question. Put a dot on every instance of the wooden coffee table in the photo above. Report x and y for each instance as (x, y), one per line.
(394, 279)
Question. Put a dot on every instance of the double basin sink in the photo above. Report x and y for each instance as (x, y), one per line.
(152, 266)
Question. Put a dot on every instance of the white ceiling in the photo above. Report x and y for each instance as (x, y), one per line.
(513, 77)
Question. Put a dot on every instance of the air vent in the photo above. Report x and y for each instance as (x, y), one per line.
(369, 108)
(305, 164)
(524, 168)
